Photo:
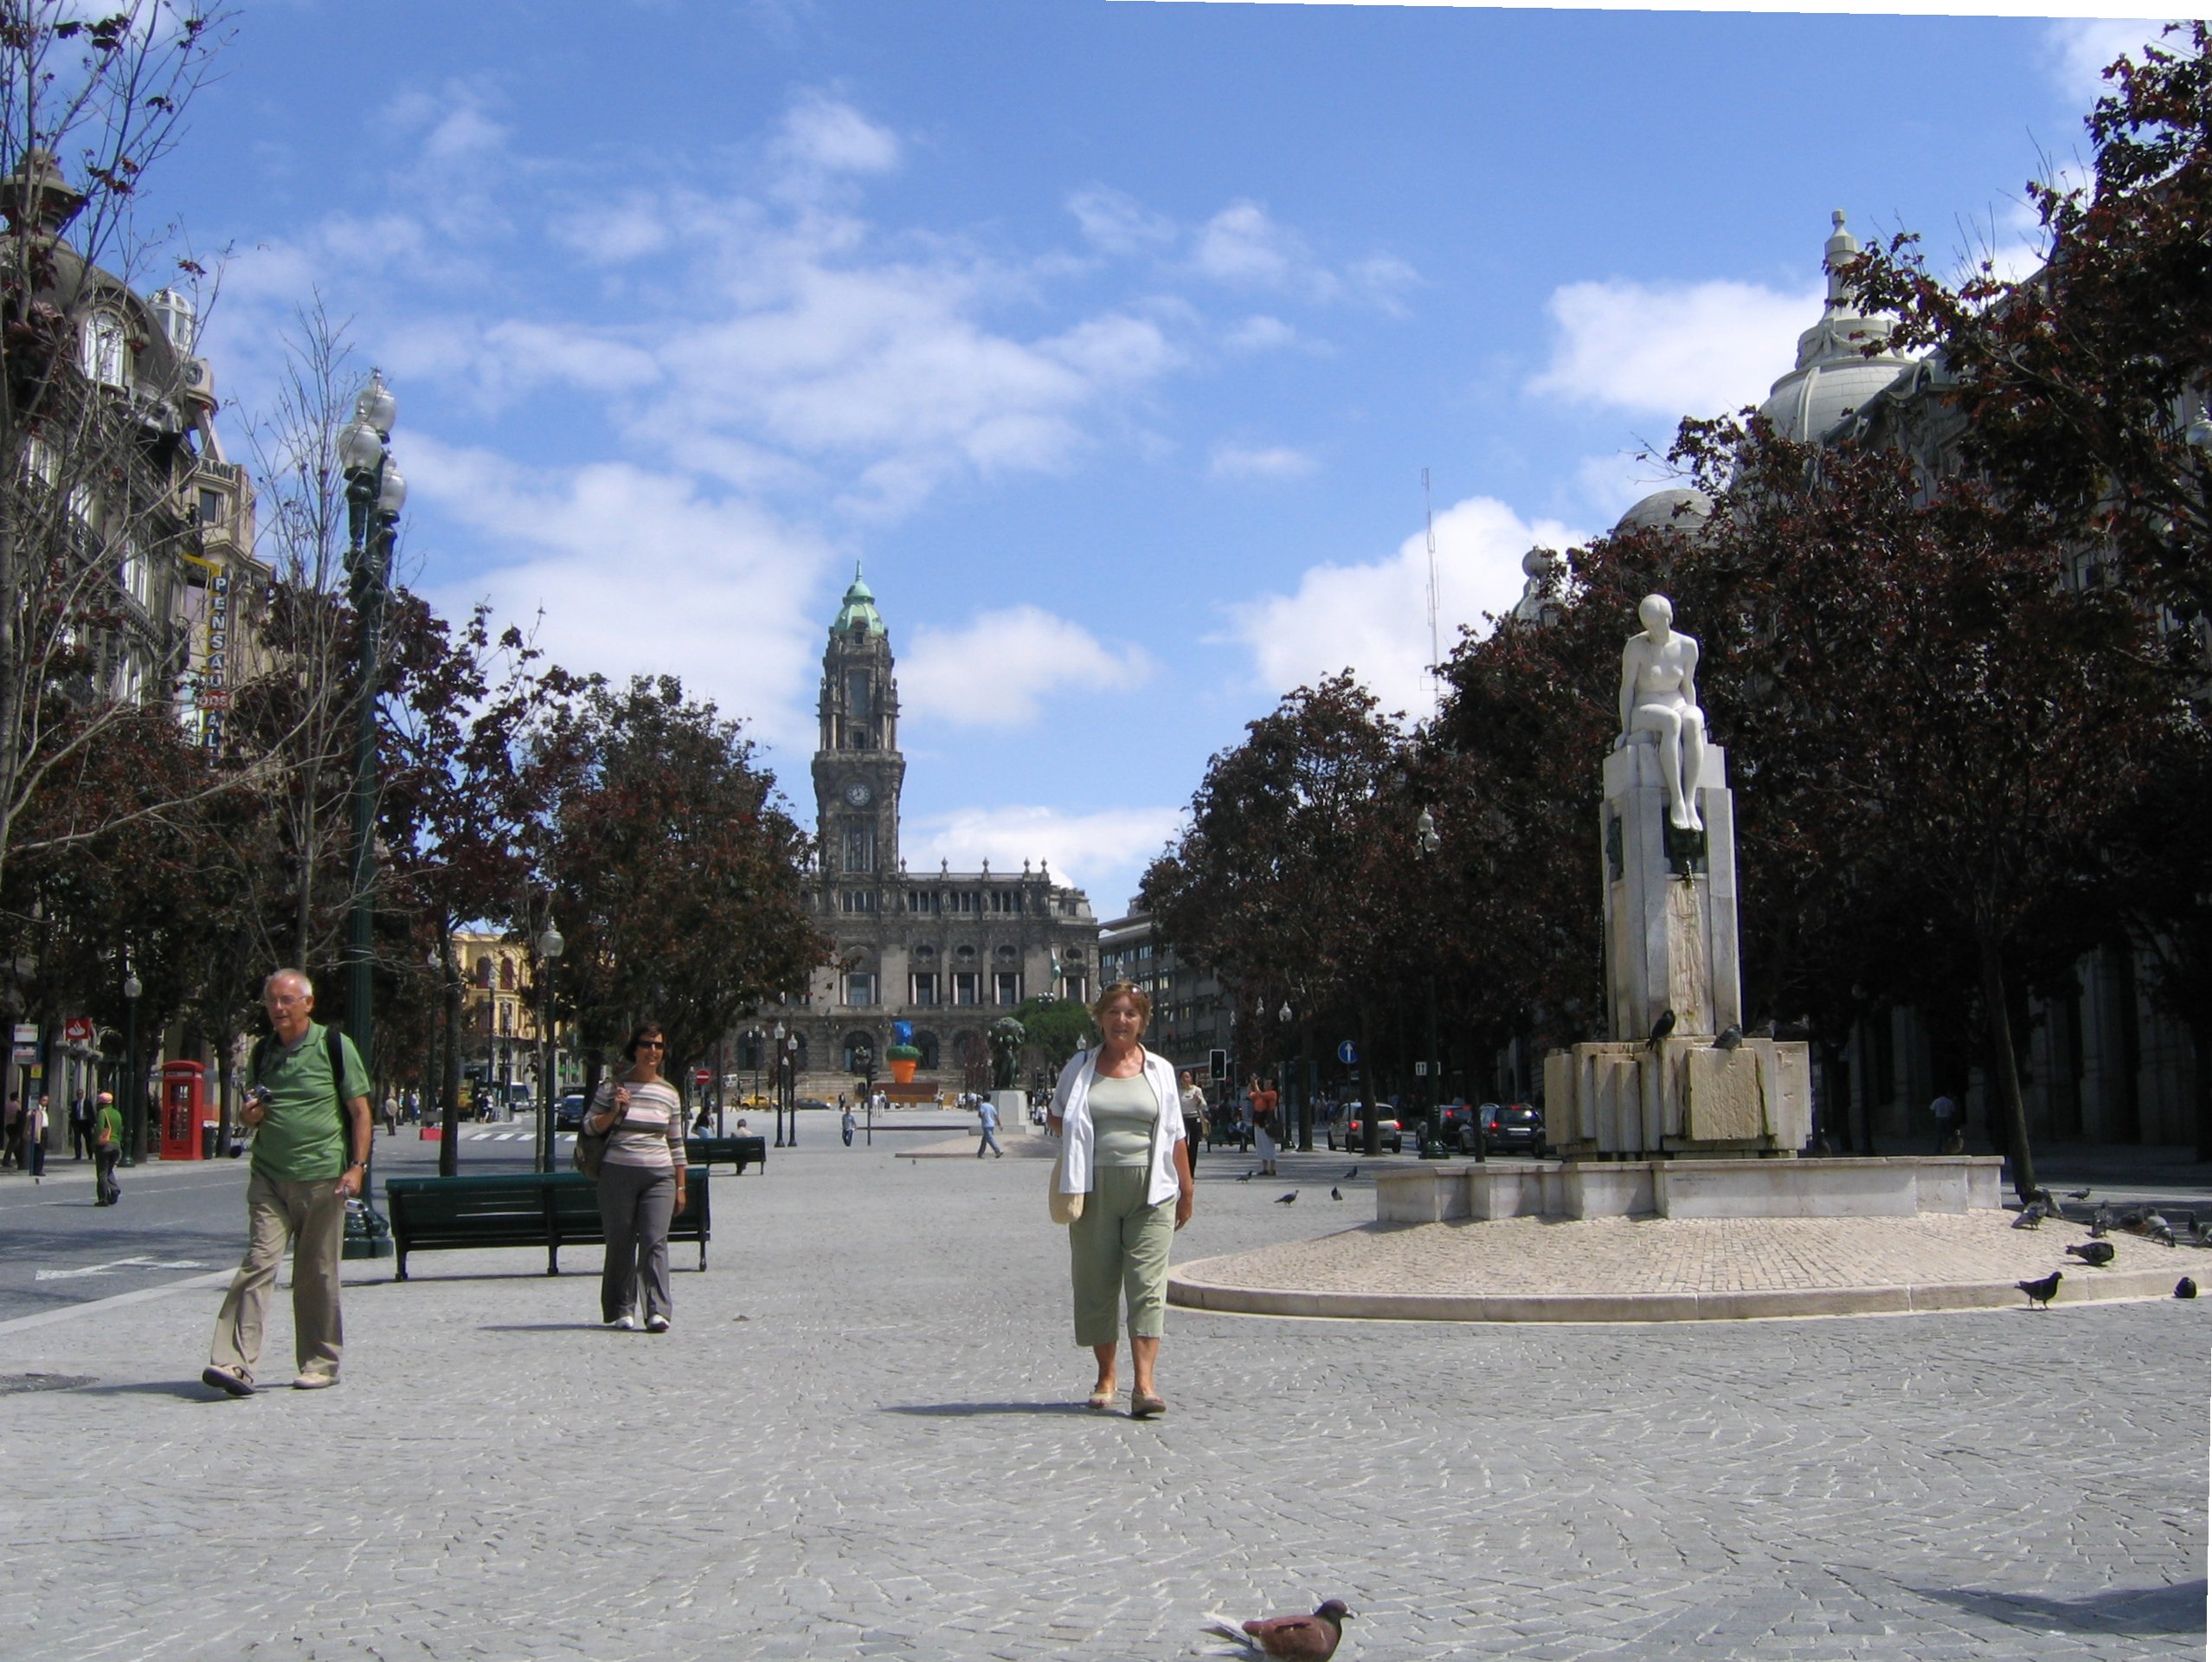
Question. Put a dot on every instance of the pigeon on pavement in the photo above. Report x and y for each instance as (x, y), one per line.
(1249, 1175)
(1660, 1030)
(1295, 1638)
(2184, 1288)
(2077, 1194)
(2101, 1225)
(2031, 1216)
(2041, 1292)
(1350, 1174)
(1731, 1036)
(2159, 1229)
(1285, 1200)
(1335, 1193)
(2098, 1252)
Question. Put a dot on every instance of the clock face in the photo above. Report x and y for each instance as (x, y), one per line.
(857, 794)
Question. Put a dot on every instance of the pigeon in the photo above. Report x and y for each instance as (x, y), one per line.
(2041, 1292)
(2204, 1234)
(2159, 1229)
(1298, 1639)
(2184, 1288)
(1350, 1174)
(2031, 1217)
(1660, 1030)
(1285, 1200)
(1731, 1036)
(2101, 1225)
(1249, 1175)
(2077, 1194)
(2098, 1252)
(2131, 1221)
(1335, 1193)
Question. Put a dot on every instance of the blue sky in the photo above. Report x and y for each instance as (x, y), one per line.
(1112, 340)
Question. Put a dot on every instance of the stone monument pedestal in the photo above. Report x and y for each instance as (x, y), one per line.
(1669, 909)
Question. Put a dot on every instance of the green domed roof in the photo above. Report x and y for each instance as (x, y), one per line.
(859, 608)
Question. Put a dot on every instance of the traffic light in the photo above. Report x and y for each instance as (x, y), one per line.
(1217, 1062)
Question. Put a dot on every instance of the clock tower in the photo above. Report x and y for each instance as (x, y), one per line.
(857, 768)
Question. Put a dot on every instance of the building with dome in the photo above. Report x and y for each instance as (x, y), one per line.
(948, 952)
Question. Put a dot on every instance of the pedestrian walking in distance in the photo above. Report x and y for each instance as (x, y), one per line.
(986, 1116)
(34, 1139)
(640, 1183)
(107, 1148)
(847, 1124)
(307, 1100)
(1121, 1115)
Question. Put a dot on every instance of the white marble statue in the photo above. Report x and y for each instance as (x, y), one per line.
(1659, 695)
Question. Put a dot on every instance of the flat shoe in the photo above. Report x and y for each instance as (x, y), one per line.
(1100, 1400)
(314, 1381)
(1144, 1405)
(227, 1379)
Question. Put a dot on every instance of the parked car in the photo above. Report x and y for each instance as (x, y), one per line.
(1514, 1129)
(568, 1114)
(1392, 1136)
(1458, 1124)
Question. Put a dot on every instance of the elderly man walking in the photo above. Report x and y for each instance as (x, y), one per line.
(308, 1097)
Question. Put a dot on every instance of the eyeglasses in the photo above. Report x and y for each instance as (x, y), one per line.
(652, 1044)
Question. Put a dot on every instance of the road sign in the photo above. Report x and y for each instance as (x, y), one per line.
(1420, 1070)
(1347, 1053)
(702, 1077)
(26, 1033)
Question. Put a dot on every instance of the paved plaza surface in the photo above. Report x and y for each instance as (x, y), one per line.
(865, 1438)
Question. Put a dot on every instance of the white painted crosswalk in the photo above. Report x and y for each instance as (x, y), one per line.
(512, 1136)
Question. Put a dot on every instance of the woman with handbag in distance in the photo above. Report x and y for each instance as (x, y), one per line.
(1121, 1118)
(640, 1181)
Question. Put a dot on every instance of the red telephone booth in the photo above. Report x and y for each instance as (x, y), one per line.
(181, 1103)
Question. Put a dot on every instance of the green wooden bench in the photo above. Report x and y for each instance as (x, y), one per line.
(739, 1152)
(518, 1208)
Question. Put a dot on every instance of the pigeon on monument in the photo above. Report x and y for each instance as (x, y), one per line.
(1731, 1036)
(2098, 1252)
(1296, 1639)
(2184, 1288)
(2159, 1229)
(1285, 1200)
(2041, 1292)
(1660, 1030)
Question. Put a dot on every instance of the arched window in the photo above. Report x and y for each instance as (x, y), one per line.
(927, 1044)
(106, 356)
(484, 971)
(506, 974)
(850, 1045)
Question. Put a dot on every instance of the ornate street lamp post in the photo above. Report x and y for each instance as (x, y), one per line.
(863, 1064)
(550, 948)
(1429, 841)
(791, 1084)
(776, 1062)
(134, 1141)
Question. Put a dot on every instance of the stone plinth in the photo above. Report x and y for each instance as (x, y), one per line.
(1669, 898)
(1694, 1188)
(1681, 1096)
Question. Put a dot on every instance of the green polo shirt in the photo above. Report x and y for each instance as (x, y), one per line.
(110, 1122)
(302, 1139)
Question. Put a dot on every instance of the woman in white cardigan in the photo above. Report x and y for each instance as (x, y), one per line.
(1121, 1115)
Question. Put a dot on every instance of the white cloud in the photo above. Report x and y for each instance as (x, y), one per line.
(998, 671)
(1116, 223)
(825, 135)
(1672, 350)
(1373, 618)
(1273, 462)
(635, 572)
(2081, 48)
(1103, 854)
(1241, 244)
(1260, 333)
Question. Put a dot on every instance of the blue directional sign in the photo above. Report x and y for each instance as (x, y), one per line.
(1347, 1053)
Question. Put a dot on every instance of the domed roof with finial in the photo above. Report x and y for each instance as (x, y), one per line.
(1833, 376)
(858, 610)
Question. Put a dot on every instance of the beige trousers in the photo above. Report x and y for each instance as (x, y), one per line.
(311, 1219)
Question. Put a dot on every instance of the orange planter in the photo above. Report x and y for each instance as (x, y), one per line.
(903, 1072)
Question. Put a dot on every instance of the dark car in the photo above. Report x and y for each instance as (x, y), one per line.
(1458, 1124)
(1514, 1129)
(569, 1116)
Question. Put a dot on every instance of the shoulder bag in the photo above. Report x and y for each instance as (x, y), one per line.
(590, 1152)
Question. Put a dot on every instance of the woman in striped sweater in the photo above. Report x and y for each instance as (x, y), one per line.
(640, 1183)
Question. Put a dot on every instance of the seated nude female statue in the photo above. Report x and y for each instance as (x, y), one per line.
(1659, 694)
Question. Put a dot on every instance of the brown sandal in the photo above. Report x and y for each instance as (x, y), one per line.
(1100, 1400)
(1144, 1404)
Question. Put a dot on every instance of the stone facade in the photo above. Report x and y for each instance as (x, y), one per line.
(950, 951)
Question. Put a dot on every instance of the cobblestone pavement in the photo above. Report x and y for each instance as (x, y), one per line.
(862, 1440)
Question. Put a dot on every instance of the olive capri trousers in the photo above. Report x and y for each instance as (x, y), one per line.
(1119, 1247)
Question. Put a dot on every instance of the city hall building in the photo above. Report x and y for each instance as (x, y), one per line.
(948, 951)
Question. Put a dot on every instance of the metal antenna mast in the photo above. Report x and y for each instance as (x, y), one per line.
(1436, 640)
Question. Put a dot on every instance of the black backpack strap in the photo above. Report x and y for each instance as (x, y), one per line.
(256, 1057)
(334, 1047)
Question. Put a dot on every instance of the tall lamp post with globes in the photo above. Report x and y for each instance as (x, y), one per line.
(134, 1081)
(775, 1062)
(374, 492)
(1428, 840)
(791, 1084)
(550, 948)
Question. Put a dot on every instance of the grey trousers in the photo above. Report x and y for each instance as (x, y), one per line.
(310, 1218)
(636, 1205)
